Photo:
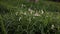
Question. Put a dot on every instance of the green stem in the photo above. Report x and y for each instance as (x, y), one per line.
(2, 25)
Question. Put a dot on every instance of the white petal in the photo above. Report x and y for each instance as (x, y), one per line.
(16, 13)
(52, 27)
(25, 13)
(19, 18)
(42, 11)
(36, 14)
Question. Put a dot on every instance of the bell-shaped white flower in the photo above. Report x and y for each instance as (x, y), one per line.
(23, 5)
(36, 14)
(25, 13)
(42, 11)
(30, 10)
(16, 13)
(33, 17)
(52, 26)
(19, 18)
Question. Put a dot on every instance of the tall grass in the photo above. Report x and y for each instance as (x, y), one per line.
(28, 18)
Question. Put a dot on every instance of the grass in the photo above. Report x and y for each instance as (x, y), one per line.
(35, 19)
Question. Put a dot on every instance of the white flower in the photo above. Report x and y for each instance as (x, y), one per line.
(19, 18)
(36, 14)
(23, 5)
(42, 11)
(33, 17)
(30, 10)
(25, 13)
(52, 26)
(16, 13)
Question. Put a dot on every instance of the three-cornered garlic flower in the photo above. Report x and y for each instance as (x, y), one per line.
(16, 13)
(25, 13)
(52, 26)
(33, 17)
(30, 10)
(23, 5)
(36, 14)
(42, 11)
(19, 18)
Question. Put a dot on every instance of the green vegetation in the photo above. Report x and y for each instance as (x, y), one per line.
(22, 17)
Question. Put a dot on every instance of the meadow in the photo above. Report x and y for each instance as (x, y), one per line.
(22, 17)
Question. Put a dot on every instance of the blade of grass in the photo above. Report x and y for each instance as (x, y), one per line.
(2, 25)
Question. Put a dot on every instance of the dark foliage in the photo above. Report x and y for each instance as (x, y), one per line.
(3, 9)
